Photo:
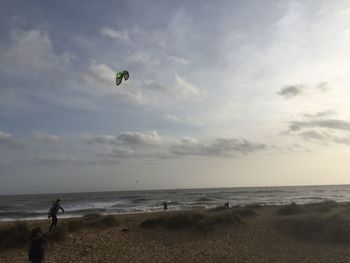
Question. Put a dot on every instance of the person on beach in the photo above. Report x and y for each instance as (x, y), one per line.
(36, 249)
(56, 206)
(165, 205)
(227, 204)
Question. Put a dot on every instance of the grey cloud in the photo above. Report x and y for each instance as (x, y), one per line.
(314, 135)
(151, 145)
(219, 147)
(46, 137)
(323, 137)
(291, 91)
(330, 124)
(323, 86)
(137, 138)
(99, 139)
(8, 140)
(313, 129)
(319, 114)
(57, 160)
(128, 138)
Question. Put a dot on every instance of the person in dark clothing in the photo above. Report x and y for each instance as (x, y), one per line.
(56, 206)
(36, 249)
(165, 205)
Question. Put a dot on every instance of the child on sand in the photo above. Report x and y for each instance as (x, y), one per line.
(36, 249)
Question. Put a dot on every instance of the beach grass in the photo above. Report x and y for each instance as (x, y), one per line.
(319, 232)
(205, 220)
(14, 234)
(316, 222)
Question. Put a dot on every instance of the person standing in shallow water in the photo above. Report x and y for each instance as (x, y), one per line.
(36, 249)
(56, 206)
(165, 205)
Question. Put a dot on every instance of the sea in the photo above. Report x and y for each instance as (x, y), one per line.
(29, 207)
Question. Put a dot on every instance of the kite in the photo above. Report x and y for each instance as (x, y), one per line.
(120, 75)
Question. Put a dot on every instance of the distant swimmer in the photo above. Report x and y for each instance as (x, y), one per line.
(165, 205)
(56, 206)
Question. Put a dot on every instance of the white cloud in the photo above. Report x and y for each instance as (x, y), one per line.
(31, 48)
(46, 137)
(185, 89)
(8, 140)
(171, 118)
(100, 73)
(142, 57)
(122, 36)
(68, 57)
(179, 60)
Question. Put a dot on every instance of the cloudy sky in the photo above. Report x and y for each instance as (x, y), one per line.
(221, 94)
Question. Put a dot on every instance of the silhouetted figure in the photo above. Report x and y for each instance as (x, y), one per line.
(227, 204)
(36, 249)
(56, 206)
(165, 205)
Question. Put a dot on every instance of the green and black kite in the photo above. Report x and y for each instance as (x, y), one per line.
(120, 75)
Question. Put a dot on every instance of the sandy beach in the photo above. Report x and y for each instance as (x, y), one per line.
(255, 238)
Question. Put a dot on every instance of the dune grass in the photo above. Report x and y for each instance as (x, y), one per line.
(316, 222)
(321, 207)
(14, 235)
(291, 209)
(204, 221)
(313, 228)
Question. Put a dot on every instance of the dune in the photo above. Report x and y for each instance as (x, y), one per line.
(295, 233)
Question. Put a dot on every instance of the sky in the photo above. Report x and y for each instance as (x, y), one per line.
(221, 94)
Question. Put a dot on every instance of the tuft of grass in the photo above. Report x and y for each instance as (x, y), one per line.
(14, 235)
(58, 234)
(246, 212)
(254, 206)
(338, 228)
(291, 209)
(334, 228)
(152, 222)
(90, 217)
(218, 209)
(323, 207)
(92, 221)
(200, 221)
(74, 224)
(104, 221)
(180, 221)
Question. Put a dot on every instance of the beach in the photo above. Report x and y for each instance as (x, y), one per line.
(234, 235)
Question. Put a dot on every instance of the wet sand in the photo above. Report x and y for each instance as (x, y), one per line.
(254, 240)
